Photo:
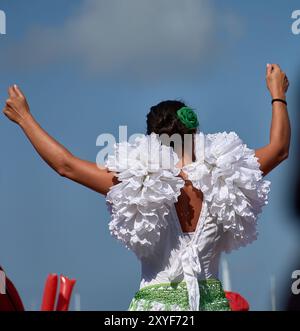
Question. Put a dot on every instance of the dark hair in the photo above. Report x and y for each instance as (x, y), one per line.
(162, 118)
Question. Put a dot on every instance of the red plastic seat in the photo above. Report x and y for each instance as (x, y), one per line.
(236, 301)
(64, 296)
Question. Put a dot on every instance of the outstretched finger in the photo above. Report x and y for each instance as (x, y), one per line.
(11, 92)
(269, 69)
(18, 91)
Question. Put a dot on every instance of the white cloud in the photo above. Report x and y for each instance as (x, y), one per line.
(142, 38)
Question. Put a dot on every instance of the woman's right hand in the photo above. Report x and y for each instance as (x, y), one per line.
(16, 107)
(277, 81)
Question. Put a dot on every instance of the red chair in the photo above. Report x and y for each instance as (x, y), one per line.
(236, 301)
(11, 301)
(64, 296)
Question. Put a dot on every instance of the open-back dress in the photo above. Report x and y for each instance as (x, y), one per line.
(179, 271)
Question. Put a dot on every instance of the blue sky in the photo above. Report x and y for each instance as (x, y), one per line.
(88, 67)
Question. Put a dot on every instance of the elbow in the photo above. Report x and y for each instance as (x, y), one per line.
(64, 168)
(62, 171)
(279, 151)
(283, 154)
(286, 155)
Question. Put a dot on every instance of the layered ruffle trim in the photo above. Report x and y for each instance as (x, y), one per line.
(148, 186)
(230, 178)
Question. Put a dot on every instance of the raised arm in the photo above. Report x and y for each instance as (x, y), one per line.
(57, 156)
(277, 150)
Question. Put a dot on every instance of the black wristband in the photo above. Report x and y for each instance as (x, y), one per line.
(279, 100)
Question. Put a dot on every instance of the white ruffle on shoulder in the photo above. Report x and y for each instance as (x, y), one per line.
(233, 186)
(148, 186)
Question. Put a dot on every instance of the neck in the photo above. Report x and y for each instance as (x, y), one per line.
(186, 152)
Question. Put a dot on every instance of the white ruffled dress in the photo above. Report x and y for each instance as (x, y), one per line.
(145, 220)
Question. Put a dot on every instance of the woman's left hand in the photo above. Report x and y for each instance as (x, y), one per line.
(16, 106)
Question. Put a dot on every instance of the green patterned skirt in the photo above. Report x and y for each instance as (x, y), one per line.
(174, 296)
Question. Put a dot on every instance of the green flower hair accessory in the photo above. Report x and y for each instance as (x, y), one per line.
(188, 117)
